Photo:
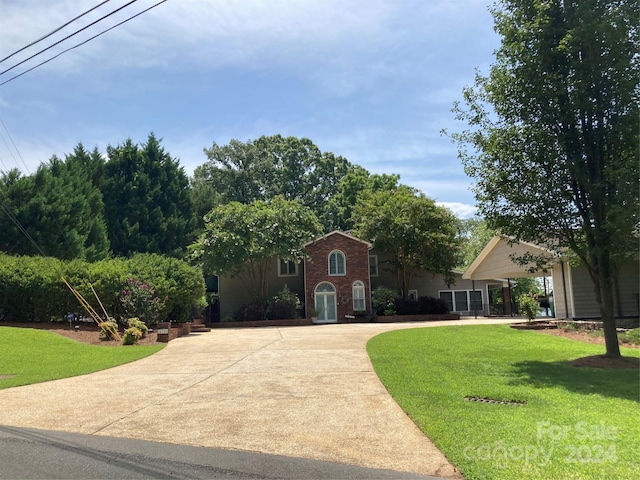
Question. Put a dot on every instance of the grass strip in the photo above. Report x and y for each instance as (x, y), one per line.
(549, 419)
(29, 356)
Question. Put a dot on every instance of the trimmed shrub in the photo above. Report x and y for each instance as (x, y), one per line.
(405, 306)
(251, 312)
(285, 305)
(108, 330)
(31, 288)
(430, 305)
(529, 306)
(382, 301)
(131, 336)
(139, 324)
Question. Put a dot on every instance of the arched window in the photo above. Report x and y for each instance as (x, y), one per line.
(337, 263)
(359, 304)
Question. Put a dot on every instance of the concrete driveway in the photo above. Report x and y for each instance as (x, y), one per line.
(307, 392)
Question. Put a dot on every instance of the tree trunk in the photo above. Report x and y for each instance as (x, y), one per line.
(605, 284)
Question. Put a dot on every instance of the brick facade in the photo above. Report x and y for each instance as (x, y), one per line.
(316, 268)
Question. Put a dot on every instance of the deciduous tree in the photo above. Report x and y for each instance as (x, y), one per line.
(417, 233)
(553, 134)
(241, 239)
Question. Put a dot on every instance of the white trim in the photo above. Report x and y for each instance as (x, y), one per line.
(344, 234)
(295, 264)
(360, 288)
(344, 261)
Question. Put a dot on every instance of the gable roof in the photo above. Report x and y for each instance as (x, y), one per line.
(339, 232)
(495, 260)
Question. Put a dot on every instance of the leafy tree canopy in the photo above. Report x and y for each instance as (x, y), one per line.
(419, 234)
(147, 199)
(553, 133)
(263, 169)
(241, 239)
(58, 207)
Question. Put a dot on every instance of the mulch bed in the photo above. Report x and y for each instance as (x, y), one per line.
(86, 333)
(596, 361)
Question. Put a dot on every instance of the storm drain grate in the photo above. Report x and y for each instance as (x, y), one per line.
(495, 400)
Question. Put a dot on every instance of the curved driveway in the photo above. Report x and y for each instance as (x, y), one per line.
(307, 392)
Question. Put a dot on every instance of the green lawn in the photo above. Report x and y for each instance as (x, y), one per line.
(577, 422)
(31, 356)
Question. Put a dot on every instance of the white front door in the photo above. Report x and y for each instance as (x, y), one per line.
(326, 303)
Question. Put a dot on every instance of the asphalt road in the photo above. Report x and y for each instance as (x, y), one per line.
(42, 454)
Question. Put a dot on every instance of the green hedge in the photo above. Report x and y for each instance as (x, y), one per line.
(31, 288)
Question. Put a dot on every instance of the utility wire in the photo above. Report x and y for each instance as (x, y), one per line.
(82, 43)
(14, 146)
(54, 31)
(67, 37)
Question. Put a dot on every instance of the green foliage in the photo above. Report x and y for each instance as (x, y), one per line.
(108, 330)
(631, 336)
(529, 306)
(147, 199)
(31, 288)
(417, 233)
(131, 336)
(338, 212)
(552, 143)
(139, 324)
(430, 371)
(266, 168)
(139, 298)
(60, 208)
(241, 239)
(382, 301)
(474, 235)
(35, 356)
(284, 305)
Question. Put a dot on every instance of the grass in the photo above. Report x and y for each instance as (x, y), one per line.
(577, 423)
(31, 356)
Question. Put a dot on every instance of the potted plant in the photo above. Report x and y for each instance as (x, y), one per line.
(312, 313)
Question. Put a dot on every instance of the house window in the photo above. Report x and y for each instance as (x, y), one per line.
(358, 296)
(337, 264)
(287, 268)
(462, 300)
(373, 265)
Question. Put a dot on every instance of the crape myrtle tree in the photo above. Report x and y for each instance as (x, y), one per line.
(417, 233)
(241, 239)
(552, 142)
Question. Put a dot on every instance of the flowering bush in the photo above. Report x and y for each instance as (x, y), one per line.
(139, 300)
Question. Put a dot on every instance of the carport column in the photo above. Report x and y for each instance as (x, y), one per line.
(506, 298)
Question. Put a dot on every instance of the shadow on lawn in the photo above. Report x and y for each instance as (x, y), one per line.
(618, 383)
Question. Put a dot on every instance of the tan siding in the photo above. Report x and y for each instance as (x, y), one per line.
(629, 288)
(234, 292)
(562, 309)
(584, 296)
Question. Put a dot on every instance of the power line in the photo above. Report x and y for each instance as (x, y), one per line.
(54, 31)
(68, 37)
(82, 43)
(14, 146)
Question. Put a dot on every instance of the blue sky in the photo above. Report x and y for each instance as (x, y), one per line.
(371, 80)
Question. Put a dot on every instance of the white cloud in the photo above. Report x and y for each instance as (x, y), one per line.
(460, 210)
